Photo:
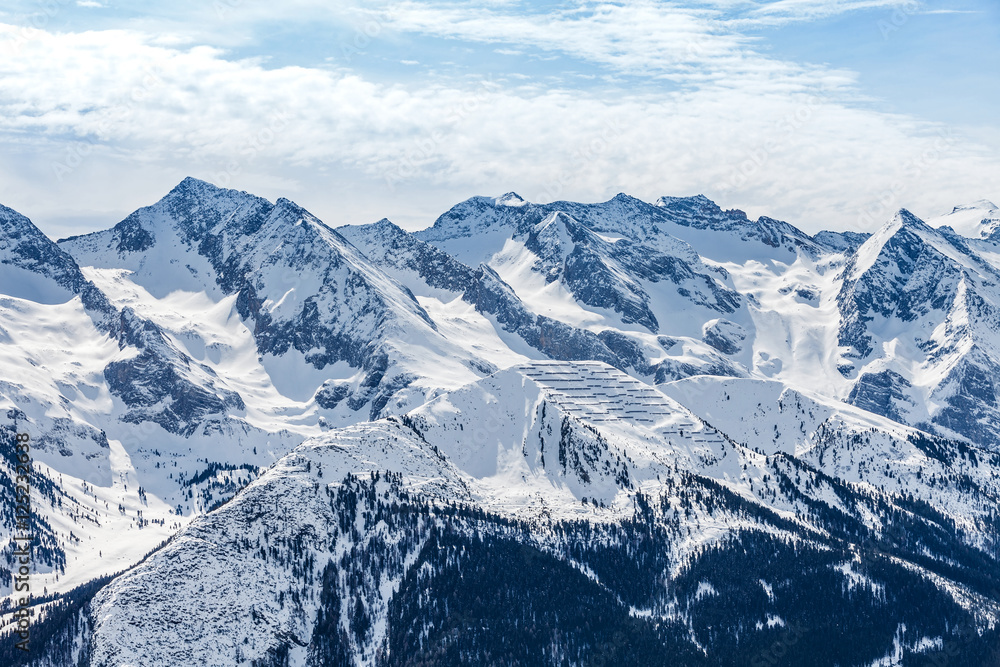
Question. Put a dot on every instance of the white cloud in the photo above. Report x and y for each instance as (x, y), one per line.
(643, 37)
(695, 42)
(114, 118)
(812, 9)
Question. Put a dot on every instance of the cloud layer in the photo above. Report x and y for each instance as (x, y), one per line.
(685, 103)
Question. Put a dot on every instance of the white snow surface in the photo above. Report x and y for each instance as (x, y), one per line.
(977, 220)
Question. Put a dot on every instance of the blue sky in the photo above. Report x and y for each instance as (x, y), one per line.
(826, 113)
(941, 66)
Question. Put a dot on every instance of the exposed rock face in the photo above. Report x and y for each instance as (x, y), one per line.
(162, 384)
(298, 284)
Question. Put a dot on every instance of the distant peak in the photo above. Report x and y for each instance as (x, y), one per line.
(556, 218)
(196, 189)
(695, 201)
(191, 183)
(192, 187)
(16, 228)
(905, 218)
(386, 225)
(12, 215)
(288, 207)
(980, 205)
(510, 199)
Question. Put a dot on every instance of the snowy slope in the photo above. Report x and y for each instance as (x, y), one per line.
(691, 420)
(920, 312)
(308, 297)
(420, 266)
(847, 443)
(979, 220)
(106, 398)
(255, 580)
(602, 268)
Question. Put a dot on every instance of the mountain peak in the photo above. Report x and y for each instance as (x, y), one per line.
(901, 220)
(24, 246)
(700, 211)
(194, 188)
(699, 207)
(510, 199)
(976, 220)
(191, 185)
(191, 181)
(905, 218)
(979, 205)
(196, 206)
(21, 240)
(696, 200)
(283, 204)
(9, 219)
(382, 231)
(385, 226)
(903, 233)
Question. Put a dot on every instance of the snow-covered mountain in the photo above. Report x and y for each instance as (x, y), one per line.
(618, 433)
(609, 489)
(129, 432)
(919, 314)
(298, 287)
(978, 220)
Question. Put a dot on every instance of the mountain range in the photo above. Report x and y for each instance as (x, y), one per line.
(529, 434)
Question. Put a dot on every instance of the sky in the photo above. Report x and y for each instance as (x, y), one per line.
(830, 114)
